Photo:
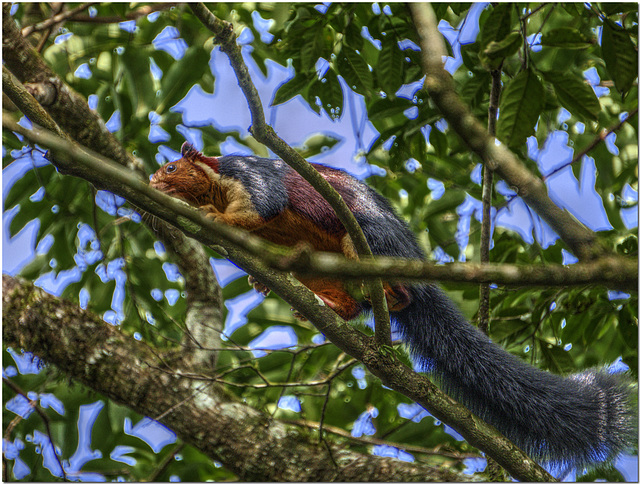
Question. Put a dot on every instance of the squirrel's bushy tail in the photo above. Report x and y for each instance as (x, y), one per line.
(580, 420)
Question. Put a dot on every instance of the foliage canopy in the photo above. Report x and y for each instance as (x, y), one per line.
(95, 249)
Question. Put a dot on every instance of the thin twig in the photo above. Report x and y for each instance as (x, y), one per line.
(61, 17)
(57, 8)
(534, 11)
(373, 441)
(266, 135)
(600, 137)
(323, 411)
(153, 477)
(140, 12)
(195, 393)
(487, 191)
(43, 416)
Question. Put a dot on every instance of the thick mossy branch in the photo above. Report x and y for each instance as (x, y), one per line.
(204, 302)
(69, 109)
(248, 442)
(23, 99)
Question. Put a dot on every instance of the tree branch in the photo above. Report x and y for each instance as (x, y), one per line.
(27, 103)
(393, 373)
(487, 193)
(68, 108)
(43, 416)
(438, 83)
(248, 442)
(29, 29)
(614, 272)
(267, 136)
(204, 298)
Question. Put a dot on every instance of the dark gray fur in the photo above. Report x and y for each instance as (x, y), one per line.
(580, 420)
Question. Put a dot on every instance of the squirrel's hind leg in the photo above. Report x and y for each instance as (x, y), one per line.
(334, 295)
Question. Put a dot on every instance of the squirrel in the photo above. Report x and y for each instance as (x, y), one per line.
(584, 419)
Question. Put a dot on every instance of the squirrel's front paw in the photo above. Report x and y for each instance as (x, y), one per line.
(211, 212)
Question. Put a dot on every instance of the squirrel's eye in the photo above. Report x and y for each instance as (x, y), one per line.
(171, 167)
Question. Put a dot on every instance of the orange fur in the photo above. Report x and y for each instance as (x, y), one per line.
(195, 180)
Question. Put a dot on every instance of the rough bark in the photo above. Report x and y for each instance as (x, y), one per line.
(68, 108)
(247, 441)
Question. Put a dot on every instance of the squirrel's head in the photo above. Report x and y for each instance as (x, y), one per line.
(190, 178)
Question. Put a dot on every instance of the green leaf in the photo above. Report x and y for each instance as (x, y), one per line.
(386, 108)
(556, 359)
(181, 76)
(384, 136)
(446, 204)
(459, 7)
(311, 48)
(574, 94)
(355, 70)
(353, 36)
(390, 64)
(136, 67)
(604, 474)
(611, 8)
(620, 56)
(290, 89)
(504, 328)
(27, 185)
(572, 8)
(498, 24)
(317, 143)
(505, 47)
(329, 90)
(439, 141)
(27, 213)
(566, 38)
(520, 106)
(474, 89)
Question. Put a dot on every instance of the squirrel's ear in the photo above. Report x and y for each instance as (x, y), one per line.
(188, 151)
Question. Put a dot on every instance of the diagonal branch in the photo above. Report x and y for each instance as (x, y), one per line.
(614, 271)
(439, 84)
(204, 299)
(87, 350)
(267, 136)
(27, 104)
(43, 416)
(29, 29)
